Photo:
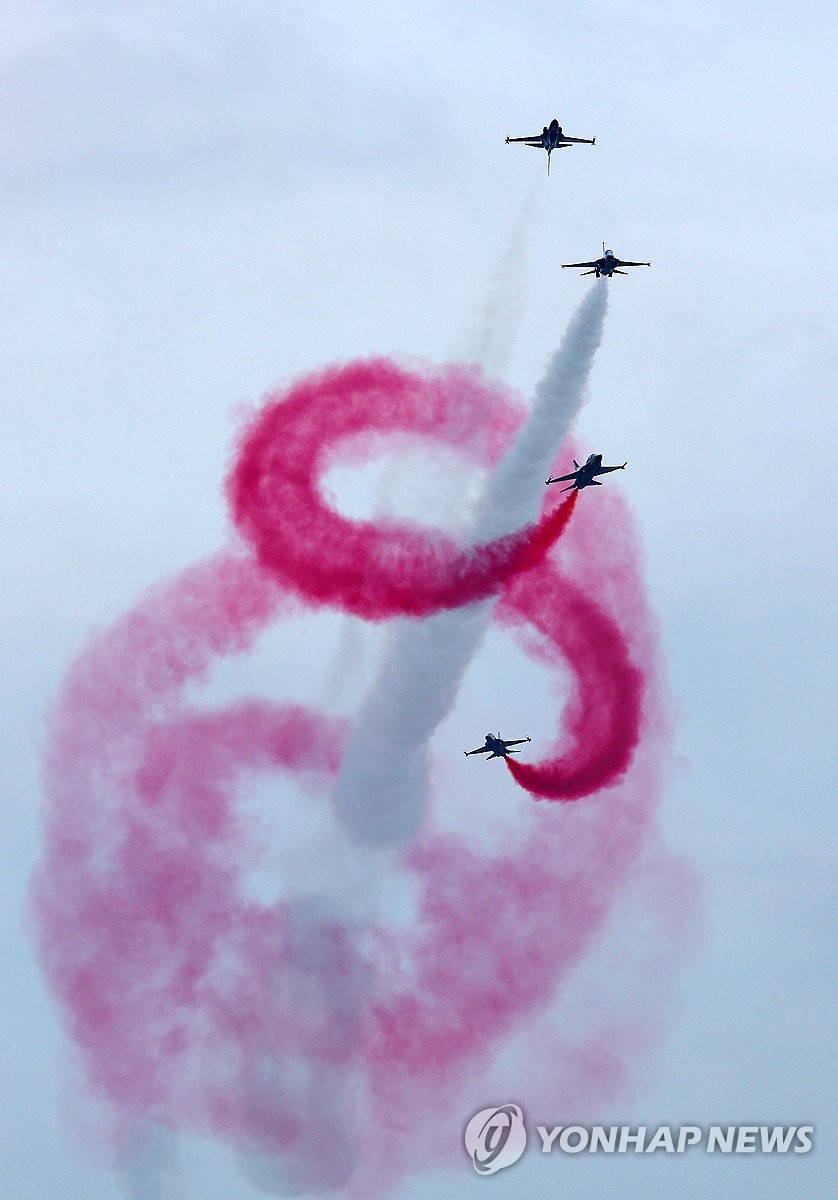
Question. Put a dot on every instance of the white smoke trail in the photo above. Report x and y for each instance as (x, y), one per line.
(150, 1167)
(382, 784)
(491, 336)
(489, 342)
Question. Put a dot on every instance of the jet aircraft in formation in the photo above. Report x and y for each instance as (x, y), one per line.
(551, 138)
(608, 265)
(584, 476)
(496, 747)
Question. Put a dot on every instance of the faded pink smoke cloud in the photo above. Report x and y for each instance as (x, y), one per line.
(332, 1049)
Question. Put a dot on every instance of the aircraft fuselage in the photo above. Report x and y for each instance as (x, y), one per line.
(587, 471)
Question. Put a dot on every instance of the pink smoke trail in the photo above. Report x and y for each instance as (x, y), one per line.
(341, 1051)
(602, 721)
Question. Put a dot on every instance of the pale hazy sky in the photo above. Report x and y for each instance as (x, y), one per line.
(201, 201)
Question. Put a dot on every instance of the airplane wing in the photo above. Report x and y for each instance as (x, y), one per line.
(606, 470)
(534, 140)
(563, 478)
(479, 750)
(517, 741)
(587, 264)
(585, 141)
(624, 262)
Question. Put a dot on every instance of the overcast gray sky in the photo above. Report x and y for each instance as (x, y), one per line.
(202, 201)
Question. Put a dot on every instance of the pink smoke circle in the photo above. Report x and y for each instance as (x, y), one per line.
(373, 569)
(338, 1052)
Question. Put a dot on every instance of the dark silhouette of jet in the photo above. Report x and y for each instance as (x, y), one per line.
(608, 265)
(584, 476)
(496, 747)
(551, 138)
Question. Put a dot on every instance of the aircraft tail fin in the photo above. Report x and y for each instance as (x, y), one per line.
(576, 464)
(596, 482)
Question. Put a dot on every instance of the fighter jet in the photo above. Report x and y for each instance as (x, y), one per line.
(584, 476)
(608, 265)
(551, 138)
(496, 747)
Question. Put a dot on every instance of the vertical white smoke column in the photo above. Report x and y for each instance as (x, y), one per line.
(150, 1169)
(491, 340)
(380, 790)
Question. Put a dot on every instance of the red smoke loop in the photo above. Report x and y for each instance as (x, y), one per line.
(373, 569)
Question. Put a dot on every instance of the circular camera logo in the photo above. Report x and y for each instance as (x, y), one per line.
(495, 1138)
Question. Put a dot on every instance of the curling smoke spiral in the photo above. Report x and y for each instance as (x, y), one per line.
(332, 1050)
